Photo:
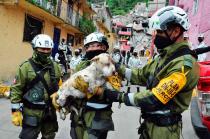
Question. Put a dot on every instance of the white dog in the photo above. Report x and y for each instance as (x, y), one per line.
(95, 74)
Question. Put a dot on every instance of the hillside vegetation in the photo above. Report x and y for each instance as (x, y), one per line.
(119, 7)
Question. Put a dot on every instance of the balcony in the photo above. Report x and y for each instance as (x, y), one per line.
(86, 25)
(9, 2)
(49, 6)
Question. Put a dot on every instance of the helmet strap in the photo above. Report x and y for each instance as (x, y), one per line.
(174, 40)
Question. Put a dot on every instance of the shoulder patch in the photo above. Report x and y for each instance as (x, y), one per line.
(188, 61)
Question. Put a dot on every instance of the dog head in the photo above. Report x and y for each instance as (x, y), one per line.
(104, 63)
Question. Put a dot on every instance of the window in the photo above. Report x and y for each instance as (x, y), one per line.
(32, 27)
(69, 10)
(195, 7)
(70, 39)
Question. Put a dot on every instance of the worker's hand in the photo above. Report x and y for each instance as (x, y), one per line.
(114, 96)
(17, 118)
(98, 90)
(115, 81)
(54, 98)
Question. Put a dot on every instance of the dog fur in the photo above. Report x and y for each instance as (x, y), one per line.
(101, 67)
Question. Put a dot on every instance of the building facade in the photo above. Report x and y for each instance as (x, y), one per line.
(21, 20)
(199, 15)
(103, 22)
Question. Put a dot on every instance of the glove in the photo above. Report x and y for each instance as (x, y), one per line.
(5, 90)
(54, 98)
(17, 118)
(114, 96)
(115, 81)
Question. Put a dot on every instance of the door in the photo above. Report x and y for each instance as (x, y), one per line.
(56, 40)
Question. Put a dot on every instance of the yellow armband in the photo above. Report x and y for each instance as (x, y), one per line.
(169, 87)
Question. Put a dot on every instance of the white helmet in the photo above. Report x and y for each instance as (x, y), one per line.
(201, 35)
(96, 37)
(42, 41)
(169, 14)
(135, 50)
(76, 50)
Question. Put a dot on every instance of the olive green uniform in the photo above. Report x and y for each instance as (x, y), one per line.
(96, 119)
(38, 113)
(154, 109)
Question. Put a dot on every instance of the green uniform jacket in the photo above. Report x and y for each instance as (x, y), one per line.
(24, 75)
(182, 99)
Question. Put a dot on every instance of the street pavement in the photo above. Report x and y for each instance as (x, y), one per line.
(126, 121)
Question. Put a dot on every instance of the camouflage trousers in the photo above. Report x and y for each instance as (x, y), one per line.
(152, 131)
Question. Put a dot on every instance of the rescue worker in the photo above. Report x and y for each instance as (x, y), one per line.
(201, 44)
(134, 61)
(75, 60)
(116, 55)
(123, 54)
(170, 78)
(36, 79)
(96, 119)
(61, 56)
(186, 38)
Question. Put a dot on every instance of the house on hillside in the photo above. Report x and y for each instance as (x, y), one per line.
(103, 22)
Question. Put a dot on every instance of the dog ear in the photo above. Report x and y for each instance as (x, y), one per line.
(95, 59)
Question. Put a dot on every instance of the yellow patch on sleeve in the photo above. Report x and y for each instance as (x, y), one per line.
(169, 87)
(115, 81)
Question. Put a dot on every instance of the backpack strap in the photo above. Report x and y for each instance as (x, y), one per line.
(39, 74)
(40, 71)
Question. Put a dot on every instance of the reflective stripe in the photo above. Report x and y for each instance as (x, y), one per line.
(128, 74)
(16, 106)
(97, 105)
(160, 112)
(131, 98)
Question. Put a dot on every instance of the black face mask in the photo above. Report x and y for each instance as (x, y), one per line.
(76, 53)
(44, 58)
(123, 53)
(135, 54)
(200, 40)
(162, 42)
(91, 54)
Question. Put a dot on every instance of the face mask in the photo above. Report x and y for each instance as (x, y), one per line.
(162, 42)
(135, 54)
(200, 40)
(123, 53)
(91, 54)
(76, 53)
(44, 58)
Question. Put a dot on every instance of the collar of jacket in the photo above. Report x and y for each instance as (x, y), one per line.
(38, 62)
(166, 52)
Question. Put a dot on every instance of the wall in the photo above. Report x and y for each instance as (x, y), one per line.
(199, 21)
(13, 49)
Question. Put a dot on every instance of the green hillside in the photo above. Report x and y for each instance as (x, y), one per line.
(119, 7)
